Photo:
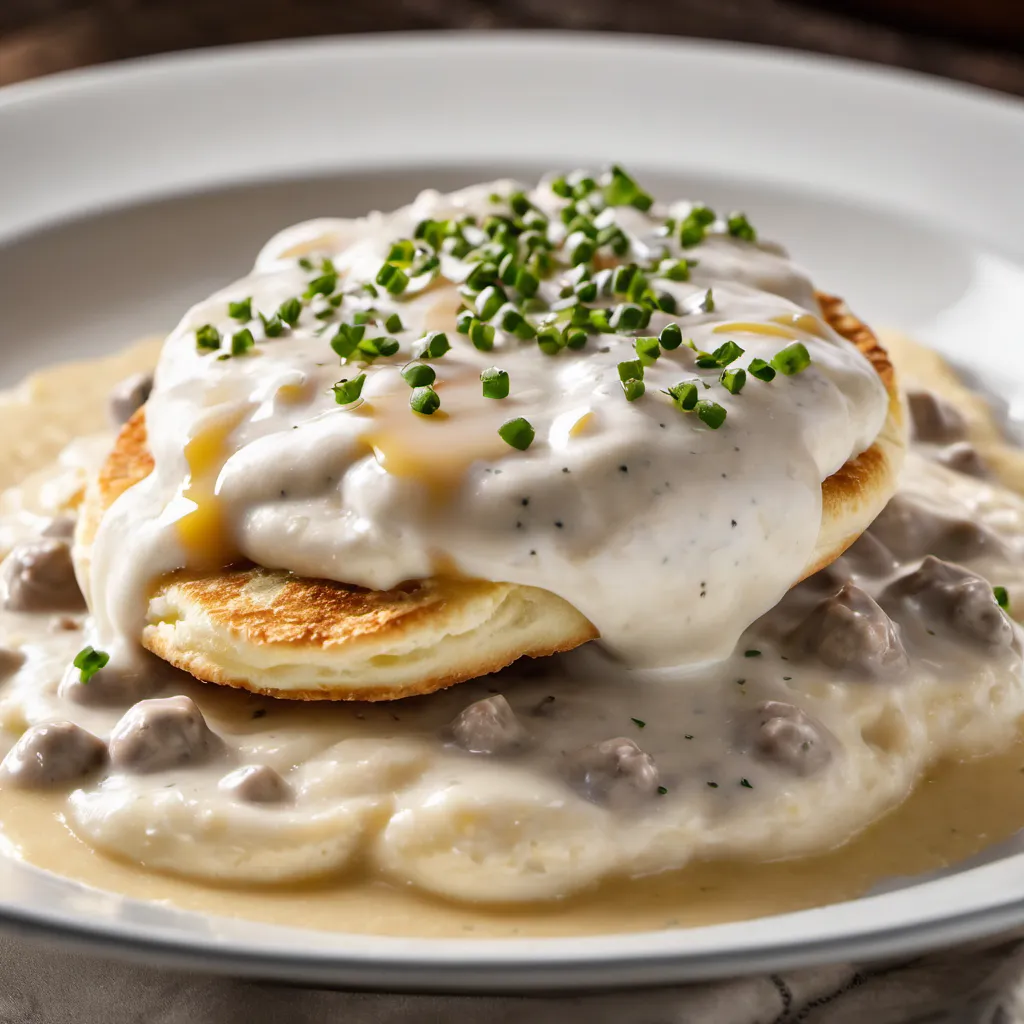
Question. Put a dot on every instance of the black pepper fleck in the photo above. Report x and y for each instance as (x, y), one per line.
(559, 523)
(259, 713)
(525, 502)
(623, 469)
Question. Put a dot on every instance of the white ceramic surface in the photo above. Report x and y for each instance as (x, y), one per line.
(128, 191)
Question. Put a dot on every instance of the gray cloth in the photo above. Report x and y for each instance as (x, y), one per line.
(982, 985)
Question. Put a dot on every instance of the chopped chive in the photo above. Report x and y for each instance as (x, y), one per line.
(464, 321)
(241, 310)
(622, 277)
(739, 227)
(581, 248)
(674, 270)
(481, 276)
(683, 394)
(242, 341)
(707, 304)
(662, 791)
(518, 433)
(207, 338)
(1002, 598)
(425, 401)
(392, 278)
(489, 301)
(561, 188)
(761, 370)
(733, 380)
(289, 311)
(752, 653)
(382, 346)
(495, 383)
(347, 338)
(394, 324)
(702, 215)
(434, 345)
(322, 285)
(363, 316)
(586, 291)
(671, 337)
(713, 785)
(418, 375)
(482, 335)
(745, 784)
(305, 263)
(621, 190)
(633, 389)
(575, 337)
(792, 359)
(711, 413)
(628, 317)
(727, 353)
(347, 391)
(89, 661)
(272, 328)
(551, 341)
(402, 251)
(526, 283)
(647, 350)
(638, 723)
(515, 323)
(631, 369)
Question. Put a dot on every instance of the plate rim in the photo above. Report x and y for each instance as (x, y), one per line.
(557, 963)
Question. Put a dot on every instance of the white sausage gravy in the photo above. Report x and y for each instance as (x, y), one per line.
(785, 723)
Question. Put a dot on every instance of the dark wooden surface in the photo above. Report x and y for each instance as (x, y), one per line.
(980, 41)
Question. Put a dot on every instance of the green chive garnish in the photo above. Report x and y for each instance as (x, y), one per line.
(242, 341)
(515, 323)
(647, 350)
(662, 791)
(464, 321)
(482, 335)
(347, 338)
(434, 345)
(628, 317)
(633, 389)
(550, 341)
(371, 348)
(417, 375)
(739, 227)
(425, 401)
(726, 354)
(518, 433)
(733, 380)
(761, 370)
(711, 413)
(489, 301)
(89, 661)
(792, 359)
(1002, 598)
(621, 190)
(272, 328)
(207, 338)
(631, 369)
(575, 337)
(394, 324)
(289, 311)
(683, 394)
(638, 723)
(241, 310)
(752, 653)
(322, 285)
(495, 383)
(671, 337)
(402, 251)
(392, 278)
(347, 391)
(561, 188)
(745, 784)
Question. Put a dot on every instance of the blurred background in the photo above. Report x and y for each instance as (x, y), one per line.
(979, 41)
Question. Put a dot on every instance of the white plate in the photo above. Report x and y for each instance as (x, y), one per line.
(131, 190)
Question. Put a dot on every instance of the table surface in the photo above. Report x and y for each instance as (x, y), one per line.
(42, 36)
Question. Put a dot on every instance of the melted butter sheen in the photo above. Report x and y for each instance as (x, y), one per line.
(599, 510)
